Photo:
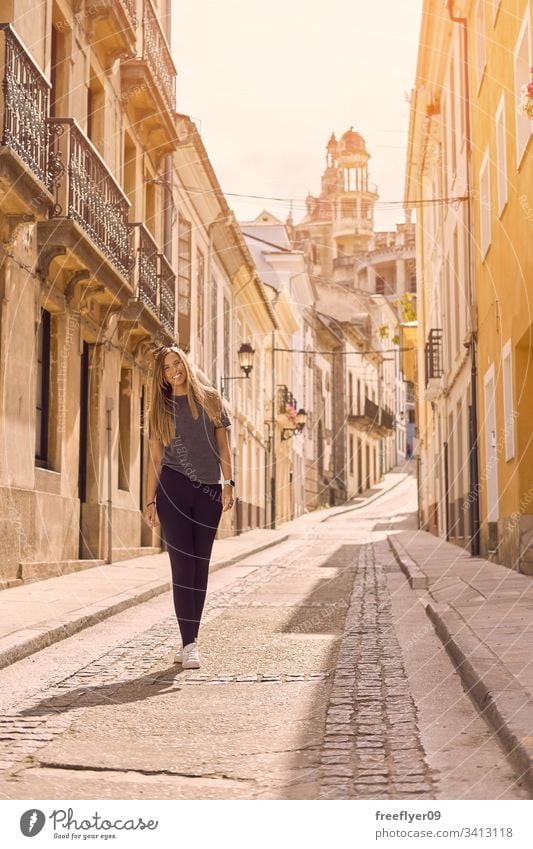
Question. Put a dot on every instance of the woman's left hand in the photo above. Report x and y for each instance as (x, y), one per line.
(227, 497)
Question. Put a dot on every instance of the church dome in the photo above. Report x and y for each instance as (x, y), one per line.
(351, 141)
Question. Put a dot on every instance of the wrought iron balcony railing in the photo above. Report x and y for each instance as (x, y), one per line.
(386, 419)
(157, 55)
(145, 268)
(286, 401)
(434, 366)
(167, 294)
(371, 411)
(26, 100)
(87, 192)
(372, 417)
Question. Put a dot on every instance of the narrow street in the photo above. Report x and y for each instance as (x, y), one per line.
(321, 678)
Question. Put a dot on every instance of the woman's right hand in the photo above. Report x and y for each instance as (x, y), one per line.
(150, 516)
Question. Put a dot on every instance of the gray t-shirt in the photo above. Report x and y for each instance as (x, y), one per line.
(193, 451)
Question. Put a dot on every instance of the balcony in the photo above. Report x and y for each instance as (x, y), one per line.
(167, 298)
(343, 262)
(113, 28)
(434, 366)
(286, 402)
(153, 283)
(89, 221)
(145, 269)
(25, 180)
(370, 418)
(149, 83)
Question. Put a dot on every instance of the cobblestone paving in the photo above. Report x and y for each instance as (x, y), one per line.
(372, 746)
(32, 725)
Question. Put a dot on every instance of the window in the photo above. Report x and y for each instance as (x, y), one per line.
(508, 402)
(184, 283)
(227, 339)
(449, 341)
(61, 50)
(457, 292)
(461, 102)
(522, 64)
(351, 454)
(444, 176)
(484, 205)
(481, 47)
(453, 127)
(42, 389)
(451, 459)
(501, 155)
(200, 324)
(96, 112)
(213, 333)
(124, 429)
(350, 393)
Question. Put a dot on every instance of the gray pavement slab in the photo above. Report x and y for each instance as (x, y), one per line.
(482, 612)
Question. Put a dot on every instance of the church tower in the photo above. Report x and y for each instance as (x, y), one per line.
(339, 224)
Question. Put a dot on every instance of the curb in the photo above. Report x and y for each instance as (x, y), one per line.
(500, 697)
(36, 639)
(418, 580)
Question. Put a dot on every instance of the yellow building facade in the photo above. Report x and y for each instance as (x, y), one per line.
(502, 167)
(470, 179)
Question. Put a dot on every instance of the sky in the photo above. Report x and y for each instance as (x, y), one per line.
(268, 81)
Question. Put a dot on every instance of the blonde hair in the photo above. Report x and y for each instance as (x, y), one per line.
(161, 424)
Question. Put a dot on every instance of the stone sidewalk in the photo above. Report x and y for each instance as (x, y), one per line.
(37, 614)
(483, 613)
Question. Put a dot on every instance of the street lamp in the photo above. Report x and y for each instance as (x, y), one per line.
(246, 363)
(301, 418)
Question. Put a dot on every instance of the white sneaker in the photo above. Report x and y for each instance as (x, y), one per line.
(190, 656)
(178, 657)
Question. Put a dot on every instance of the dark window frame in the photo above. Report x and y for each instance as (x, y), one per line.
(42, 401)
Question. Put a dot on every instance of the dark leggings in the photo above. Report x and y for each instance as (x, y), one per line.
(189, 513)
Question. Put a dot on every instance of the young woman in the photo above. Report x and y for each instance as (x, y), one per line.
(189, 447)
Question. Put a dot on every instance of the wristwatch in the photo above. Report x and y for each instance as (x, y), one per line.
(228, 481)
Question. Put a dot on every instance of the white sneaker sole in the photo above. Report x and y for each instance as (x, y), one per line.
(191, 664)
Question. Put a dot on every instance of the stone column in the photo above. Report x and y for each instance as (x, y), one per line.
(400, 277)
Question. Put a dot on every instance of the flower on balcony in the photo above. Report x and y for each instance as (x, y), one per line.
(525, 104)
(290, 409)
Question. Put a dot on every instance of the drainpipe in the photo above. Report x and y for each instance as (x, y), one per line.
(474, 460)
(273, 439)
